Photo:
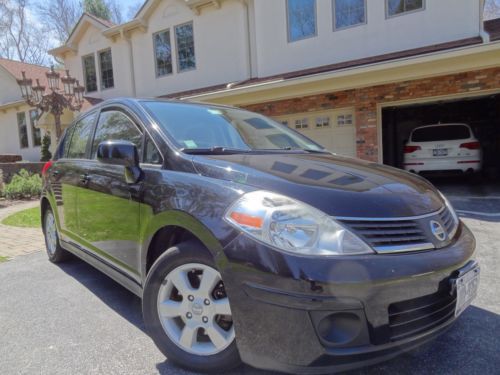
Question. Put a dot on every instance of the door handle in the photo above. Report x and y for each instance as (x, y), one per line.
(84, 178)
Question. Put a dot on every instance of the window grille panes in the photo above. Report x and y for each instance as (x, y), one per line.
(163, 53)
(349, 13)
(323, 122)
(301, 19)
(89, 73)
(23, 130)
(184, 39)
(36, 133)
(344, 120)
(302, 123)
(395, 7)
(106, 64)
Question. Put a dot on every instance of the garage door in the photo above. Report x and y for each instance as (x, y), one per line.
(334, 130)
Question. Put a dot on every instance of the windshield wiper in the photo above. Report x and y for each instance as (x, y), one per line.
(312, 151)
(216, 150)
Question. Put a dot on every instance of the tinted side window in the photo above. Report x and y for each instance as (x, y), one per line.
(152, 155)
(116, 126)
(77, 144)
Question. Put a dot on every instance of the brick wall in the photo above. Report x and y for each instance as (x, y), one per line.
(365, 101)
(10, 169)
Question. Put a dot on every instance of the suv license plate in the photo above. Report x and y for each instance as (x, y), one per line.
(440, 152)
(467, 287)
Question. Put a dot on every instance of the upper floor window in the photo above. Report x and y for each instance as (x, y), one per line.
(184, 39)
(116, 126)
(106, 66)
(89, 73)
(22, 127)
(36, 133)
(396, 7)
(348, 13)
(163, 53)
(301, 17)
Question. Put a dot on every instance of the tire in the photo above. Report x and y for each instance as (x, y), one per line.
(53, 247)
(183, 263)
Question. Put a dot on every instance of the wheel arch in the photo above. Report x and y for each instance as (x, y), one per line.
(168, 229)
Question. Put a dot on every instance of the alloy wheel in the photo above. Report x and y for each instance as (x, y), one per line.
(50, 233)
(194, 309)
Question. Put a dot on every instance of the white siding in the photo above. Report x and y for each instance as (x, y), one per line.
(440, 21)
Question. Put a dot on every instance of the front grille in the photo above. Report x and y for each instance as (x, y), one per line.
(381, 234)
(415, 316)
(394, 235)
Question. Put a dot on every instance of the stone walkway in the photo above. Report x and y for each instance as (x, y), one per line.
(16, 241)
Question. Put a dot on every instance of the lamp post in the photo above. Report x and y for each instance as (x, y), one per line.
(56, 100)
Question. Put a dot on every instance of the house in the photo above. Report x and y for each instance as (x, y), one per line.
(355, 75)
(19, 134)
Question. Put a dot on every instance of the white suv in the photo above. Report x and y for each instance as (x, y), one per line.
(443, 147)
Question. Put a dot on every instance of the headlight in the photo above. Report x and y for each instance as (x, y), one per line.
(292, 226)
(450, 207)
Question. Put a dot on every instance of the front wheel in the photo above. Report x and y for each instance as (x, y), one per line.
(187, 312)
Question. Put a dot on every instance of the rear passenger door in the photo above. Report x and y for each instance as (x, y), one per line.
(109, 208)
(66, 175)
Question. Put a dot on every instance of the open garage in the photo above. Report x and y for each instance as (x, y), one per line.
(482, 113)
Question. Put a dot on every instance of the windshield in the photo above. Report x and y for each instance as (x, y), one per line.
(202, 127)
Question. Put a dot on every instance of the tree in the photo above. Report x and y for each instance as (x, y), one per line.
(98, 8)
(45, 153)
(492, 9)
(21, 39)
(60, 16)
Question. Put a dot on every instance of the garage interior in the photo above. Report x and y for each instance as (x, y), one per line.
(481, 113)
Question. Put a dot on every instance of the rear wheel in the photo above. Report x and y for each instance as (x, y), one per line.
(187, 312)
(55, 252)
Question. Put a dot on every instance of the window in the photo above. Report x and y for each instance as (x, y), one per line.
(395, 7)
(323, 122)
(344, 120)
(23, 130)
(302, 123)
(106, 66)
(116, 126)
(152, 155)
(301, 15)
(163, 53)
(89, 73)
(36, 133)
(348, 13)
(184, 39)
(80, 134)
(441, 133)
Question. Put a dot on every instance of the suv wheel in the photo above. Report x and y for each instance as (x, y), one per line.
(54, 250)
(187, 312)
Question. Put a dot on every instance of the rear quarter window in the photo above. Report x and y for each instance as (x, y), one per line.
(441, 133)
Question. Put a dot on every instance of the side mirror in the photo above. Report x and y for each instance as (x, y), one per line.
(121, 153)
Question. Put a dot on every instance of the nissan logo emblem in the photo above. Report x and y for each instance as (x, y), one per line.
(438, 230)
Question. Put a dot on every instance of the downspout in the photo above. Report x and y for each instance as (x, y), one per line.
(484, 35)
(248, 38)
(131, 61)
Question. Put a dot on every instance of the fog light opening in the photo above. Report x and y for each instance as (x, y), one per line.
(340, 328)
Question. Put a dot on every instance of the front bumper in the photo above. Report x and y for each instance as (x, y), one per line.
(314, 315)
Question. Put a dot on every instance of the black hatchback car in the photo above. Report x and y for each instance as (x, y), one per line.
(249, 242)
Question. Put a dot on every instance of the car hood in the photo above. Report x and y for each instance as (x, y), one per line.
(339, 186)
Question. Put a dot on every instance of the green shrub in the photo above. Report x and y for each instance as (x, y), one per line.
(24, 185)
(2, 186)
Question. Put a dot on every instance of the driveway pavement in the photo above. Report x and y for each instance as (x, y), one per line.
(71, 319)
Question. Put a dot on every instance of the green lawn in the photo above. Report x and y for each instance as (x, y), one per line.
(29, 218)
(3, 259)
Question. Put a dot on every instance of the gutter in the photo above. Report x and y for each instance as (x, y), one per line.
(284, 82)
